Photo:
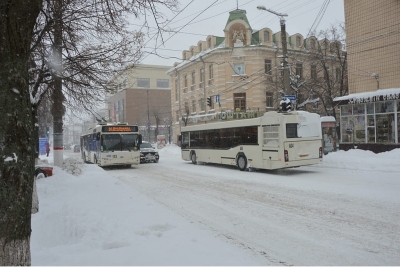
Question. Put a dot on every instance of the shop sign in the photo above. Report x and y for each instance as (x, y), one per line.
(230, 115)
(367, 99)
(225, 115)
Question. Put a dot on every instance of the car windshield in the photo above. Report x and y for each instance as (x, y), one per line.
(145, 145)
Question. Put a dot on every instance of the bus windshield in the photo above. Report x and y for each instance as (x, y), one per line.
(119, 142)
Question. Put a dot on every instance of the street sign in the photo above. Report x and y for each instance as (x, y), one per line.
(290, 97)
(217, 98)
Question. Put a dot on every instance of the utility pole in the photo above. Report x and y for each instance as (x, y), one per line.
(57, 109)
(148, 116)
(286, 81)
(204, 83)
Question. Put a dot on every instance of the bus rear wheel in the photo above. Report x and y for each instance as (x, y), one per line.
(241, 162)
(193, 157)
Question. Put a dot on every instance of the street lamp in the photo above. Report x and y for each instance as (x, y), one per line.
(284, 47)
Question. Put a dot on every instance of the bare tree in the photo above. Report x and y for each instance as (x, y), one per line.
(329, 63)
(79, 44)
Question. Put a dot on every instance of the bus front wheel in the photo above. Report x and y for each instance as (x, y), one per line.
(241, 162)
(193, 157)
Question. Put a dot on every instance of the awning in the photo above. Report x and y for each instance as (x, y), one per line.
(379, 95)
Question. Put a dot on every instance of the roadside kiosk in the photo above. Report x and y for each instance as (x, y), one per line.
(329, 137)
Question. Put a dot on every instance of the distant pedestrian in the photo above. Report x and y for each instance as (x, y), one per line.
(47, 148)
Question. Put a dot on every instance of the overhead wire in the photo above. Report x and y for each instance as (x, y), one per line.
(183, 27)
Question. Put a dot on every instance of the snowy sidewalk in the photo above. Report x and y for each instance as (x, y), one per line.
(94, 219)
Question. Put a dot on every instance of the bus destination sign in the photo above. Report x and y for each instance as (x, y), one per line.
(120, 128)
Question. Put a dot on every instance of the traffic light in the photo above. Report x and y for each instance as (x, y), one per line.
(47, 131)
(209, 101)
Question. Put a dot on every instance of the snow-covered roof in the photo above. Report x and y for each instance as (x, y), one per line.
(328, 119)
(382, 94)
(193, 58)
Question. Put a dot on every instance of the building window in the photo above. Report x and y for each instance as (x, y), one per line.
(211, 70)
(200, 47)
(326, 74)
(300, 98)
(201, 76)
(338, 74)
(315, 103)
(298, 41)
(162, 83)
(201, 104)
(186, 108)
(268, 66)
(185, 81)
(209, 43)
(269, 99)
(193, 80)
(239, 100)
(312, 44)
(299, 70)
(143, 83)
(313, 72)
(193, 105)
(238, 68)
(176, 90)
(266, 36)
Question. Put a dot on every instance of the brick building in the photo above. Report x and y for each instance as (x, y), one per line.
(143, 97)
(370, 114)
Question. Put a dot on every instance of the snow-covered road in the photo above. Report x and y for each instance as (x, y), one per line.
(328, 214)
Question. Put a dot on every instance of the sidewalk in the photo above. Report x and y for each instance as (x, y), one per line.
(94, 219)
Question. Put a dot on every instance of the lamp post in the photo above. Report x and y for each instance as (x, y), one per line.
(284, 48)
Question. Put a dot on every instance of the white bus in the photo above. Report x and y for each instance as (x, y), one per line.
(272, 141)
(109, 144)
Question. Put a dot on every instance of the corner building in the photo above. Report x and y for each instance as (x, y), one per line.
(370, 114)
(240, 71)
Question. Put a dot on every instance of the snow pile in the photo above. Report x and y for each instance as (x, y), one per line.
(170, 150)
(73, 166)
(362, 160)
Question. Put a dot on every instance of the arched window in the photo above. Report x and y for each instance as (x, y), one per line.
(266, 36)
(298, 41)
(312, 44)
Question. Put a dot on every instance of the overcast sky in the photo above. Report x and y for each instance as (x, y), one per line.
(201, 18)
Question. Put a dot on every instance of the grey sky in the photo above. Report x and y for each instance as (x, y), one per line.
(301, 16)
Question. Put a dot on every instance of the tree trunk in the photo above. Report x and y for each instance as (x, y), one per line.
(17, 144)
